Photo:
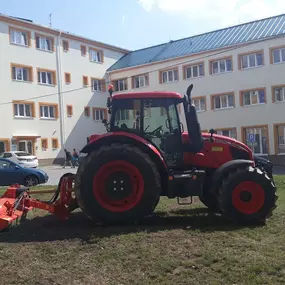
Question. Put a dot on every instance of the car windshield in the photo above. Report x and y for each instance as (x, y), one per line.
(22, 154)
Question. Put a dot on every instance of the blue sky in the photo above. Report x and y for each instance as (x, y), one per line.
(134, 24)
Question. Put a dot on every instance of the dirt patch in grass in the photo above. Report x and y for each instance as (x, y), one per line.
(179, 245)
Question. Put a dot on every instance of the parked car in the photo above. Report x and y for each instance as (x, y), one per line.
(21, 157)
(13, 173)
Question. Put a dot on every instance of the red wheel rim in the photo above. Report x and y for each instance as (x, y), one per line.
(103, 189)
(248, 197)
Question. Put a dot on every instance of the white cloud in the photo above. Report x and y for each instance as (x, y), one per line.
(224, 12)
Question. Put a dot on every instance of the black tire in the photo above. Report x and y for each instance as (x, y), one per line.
(31, 180)
(211, 202)
(91, 168)
(247, 196)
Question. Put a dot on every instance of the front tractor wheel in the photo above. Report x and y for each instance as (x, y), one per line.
(118, 184)
(247, 196)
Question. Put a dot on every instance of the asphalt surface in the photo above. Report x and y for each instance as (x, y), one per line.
(56, 171)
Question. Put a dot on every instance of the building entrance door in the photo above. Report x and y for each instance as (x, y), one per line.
(26, 145)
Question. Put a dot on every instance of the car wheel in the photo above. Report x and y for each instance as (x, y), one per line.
(31, 181)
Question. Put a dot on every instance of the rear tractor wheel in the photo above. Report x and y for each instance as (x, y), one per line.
(117, 184)
(247, 196)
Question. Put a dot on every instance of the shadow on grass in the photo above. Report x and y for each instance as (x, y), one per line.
(49, 228)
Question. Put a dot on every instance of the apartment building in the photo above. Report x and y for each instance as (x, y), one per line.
(53, 87)
(238, 76)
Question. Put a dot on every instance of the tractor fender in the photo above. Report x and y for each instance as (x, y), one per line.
(226, 168)
(128, 138)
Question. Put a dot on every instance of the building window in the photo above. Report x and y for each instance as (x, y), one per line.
(280, 138)
(97, 84)
(123, 115)
(278, 55)
(67, 77)
(120, 85)
(221, 66)
(257, 139)
(200, 104)
(24, 110)
(46, 77)
(85, 81)
(232, 133)
(251, 60)
(278, 93)
(252, 97)
(65, 45)
(44, 144)
(44, 43)
(20, 37)
(22, 73)
(223, 101)
(69, 110)
(194, 71)
(140, 81)
(95, 55)
(55, 144)
(48, 111)
(168, 76)
(99, 114)
(4, 145)
(87, 111)
(83, 50)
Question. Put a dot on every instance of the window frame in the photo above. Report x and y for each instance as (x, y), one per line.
(227, 129)
(213, 96)
(83, 47)
(28, 35)
(199, 98)
(276, 138)
(29, 103)
(100, 55)
(42, 141)
(69, 110)
(242, 101)
(65, 42)
(248, 54)
(172, 70)
(49, 105)
(95, 109)
(85, 77)
(145, 78)
(57, 143)
(21, 66)
(272, 50)
(243, 132)
(67, 77)
(125, 84)
(100, 84)
(46, 71)
(218, 60)
(87, 114)
(191, 66)
(46, 38)
(274, 95)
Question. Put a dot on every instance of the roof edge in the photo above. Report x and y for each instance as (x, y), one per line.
(32, 25)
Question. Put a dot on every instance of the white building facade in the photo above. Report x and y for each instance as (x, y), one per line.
(53, 88)
(239, 90)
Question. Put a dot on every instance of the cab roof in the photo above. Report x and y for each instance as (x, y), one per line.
(148, 95)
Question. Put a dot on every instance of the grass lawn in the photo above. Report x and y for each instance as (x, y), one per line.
(182, 245)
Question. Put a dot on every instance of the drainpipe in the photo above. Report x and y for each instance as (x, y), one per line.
(60, 97)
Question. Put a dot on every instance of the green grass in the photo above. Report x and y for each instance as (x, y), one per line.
(182, 245)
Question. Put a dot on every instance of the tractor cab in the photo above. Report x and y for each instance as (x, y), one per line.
(155, 116)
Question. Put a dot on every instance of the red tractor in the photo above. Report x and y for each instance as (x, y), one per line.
(146, 154)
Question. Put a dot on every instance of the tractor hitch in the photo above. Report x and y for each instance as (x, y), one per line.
(16, 202)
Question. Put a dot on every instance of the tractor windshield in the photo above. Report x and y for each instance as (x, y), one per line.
(154, 119)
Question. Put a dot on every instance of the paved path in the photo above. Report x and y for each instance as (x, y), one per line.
(55, 172)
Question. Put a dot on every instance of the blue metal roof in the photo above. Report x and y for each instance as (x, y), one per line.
(251, 31)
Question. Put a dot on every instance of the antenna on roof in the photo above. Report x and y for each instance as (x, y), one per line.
(50, 19)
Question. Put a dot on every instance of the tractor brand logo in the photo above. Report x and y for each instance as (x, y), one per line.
(217, 148)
